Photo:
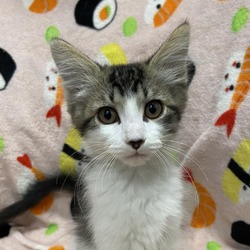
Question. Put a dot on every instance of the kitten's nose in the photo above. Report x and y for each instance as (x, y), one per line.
(136, 144)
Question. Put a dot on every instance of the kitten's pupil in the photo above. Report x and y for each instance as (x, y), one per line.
(107, 114)
(152, 108)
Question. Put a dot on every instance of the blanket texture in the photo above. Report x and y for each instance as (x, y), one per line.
(37, 138)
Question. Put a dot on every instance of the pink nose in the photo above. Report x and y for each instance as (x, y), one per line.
(136, 144)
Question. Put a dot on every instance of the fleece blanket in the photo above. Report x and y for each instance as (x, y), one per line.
(37, 138)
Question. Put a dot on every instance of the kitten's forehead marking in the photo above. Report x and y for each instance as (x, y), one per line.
(127, 80)
(132, 119)
(132, 109)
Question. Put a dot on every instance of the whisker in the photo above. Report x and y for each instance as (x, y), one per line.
(161, 161)
(170, 154)
(64, 182)
(165, 151)
(92, 161)
(109, 163)
(183, 152)
(85, 169)
(111, 166)
(193, 184)
(104, 166)
(174, 141)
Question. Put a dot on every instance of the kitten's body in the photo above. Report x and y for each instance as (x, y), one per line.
(130, 195)
(135, 208)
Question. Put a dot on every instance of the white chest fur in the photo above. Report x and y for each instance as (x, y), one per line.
(136, 208)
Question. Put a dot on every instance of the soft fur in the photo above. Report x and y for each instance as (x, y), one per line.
(130, 194)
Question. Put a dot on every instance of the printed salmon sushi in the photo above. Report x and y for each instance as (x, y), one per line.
(95, 14)
(159, 11)
(40, 6)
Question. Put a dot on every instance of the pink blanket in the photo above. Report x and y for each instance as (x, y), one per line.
(36, 138)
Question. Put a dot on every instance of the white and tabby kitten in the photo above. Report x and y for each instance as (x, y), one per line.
(129, 193)
(133, 195)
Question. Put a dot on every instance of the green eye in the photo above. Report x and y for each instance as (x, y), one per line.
(107, 115)
(153, 109)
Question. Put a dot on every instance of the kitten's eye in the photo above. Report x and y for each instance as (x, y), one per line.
(153, 109)
(107, 115)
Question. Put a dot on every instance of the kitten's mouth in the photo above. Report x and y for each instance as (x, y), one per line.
(136, 155)
(136, 159)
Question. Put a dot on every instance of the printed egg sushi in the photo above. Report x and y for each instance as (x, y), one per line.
(95, 14)
(111, 54)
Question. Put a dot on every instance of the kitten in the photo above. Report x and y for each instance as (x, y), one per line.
(129, 194)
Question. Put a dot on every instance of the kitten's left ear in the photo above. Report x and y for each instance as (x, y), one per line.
(79, 73)
(173, 55)
(72, 65)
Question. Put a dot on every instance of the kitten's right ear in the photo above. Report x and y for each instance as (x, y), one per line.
(171, 60)
(174, 48)
(77, 70)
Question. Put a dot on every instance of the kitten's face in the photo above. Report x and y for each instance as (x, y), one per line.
(129, 118)
(127, 112)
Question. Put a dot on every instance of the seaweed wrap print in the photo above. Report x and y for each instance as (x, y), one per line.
(7, 68)
(95, 14)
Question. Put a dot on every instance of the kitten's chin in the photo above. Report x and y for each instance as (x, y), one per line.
(135, 160)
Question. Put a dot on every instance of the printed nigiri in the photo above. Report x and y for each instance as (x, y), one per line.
(159, 11)
(111, 54)
(40, 6)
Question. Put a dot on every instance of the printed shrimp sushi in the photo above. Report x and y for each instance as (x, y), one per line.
(95, 14)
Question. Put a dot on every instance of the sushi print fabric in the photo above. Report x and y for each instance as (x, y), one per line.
(37, 138)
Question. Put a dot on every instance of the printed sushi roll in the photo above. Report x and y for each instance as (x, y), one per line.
(7, 68)
(96, 14)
